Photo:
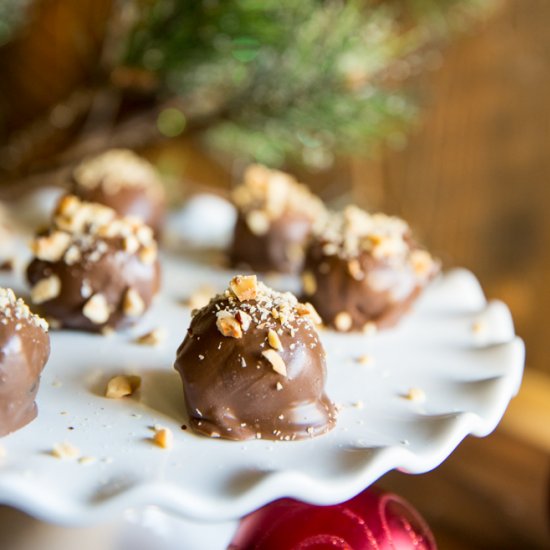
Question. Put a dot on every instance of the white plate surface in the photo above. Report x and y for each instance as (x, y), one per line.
(468, 377)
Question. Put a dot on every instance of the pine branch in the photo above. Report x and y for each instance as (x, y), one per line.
(292, 79)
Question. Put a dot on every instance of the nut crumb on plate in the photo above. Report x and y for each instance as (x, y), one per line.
(152, 338)
(65, 451)
(122, 386)
(163, 438)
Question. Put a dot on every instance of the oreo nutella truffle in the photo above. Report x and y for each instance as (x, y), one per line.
(274, 221)
(252, 366)
(24, 350)
(93, 270)
(123, 181)
(363, 270)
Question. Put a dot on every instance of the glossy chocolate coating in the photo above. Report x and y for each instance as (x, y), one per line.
(280, 249)
(24, 350)
(383, 292)
(229, 398)
(111, 275)
(142, 202)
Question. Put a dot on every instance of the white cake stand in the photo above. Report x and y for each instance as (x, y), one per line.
(458, 349)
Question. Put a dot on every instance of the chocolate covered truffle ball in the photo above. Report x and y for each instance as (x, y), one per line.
(274, 220)
(93, 270)
(24, 350)
(123, 181)
(364, 270)
(252, 366)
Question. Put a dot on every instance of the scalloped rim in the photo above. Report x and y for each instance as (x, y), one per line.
(21, 493)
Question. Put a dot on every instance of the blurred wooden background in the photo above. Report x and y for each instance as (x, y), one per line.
(473, 182)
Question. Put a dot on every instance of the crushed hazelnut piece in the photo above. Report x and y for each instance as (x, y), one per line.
(421, 262)
(46, 289)
(96, 309)
(133, 304)
(309, 282)
(245, 287)
(365, 359)
(152, 338)
(343, 321)
(131, 244)
(370, 328)
(87, 460)
(148, 254)
(72, 255)
(416, 394)
(65, 451)
(122, 386)
(355, 270)
(257, 222)
(309, 310)
(274, 340)
(163, 438)
(244, 319)
(279, 386)
(228, 325)
(276, 361)
(51, 248)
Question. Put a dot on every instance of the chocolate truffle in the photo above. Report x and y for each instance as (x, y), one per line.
(274, 220)
(252, 366)
(364, 270)
(24, 350)
(123, 181)
(93, 270)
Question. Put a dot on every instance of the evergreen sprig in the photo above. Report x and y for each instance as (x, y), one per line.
(281, 79)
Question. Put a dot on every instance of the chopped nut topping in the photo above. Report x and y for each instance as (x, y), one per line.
(228, 325)
(422, 262)
(370, 328)
(65, 451)
(343, 321)
(163, 438)
(274, 340)
(46, 289)
(244, 319)
(122, 386)
(148, 254)
(415, 394)
(115, 169)
(308, 310)
(355, 270)
(245, 287)
(257, 222)
(276, 361)
(96, 309)
(352, 231)
(133, 304)
(365, 359)
(51, 248)
(16, 308)
(87, 460)
(131, 244)
(152, 338)
(72, 255)
(267, 194)
(309, 282)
